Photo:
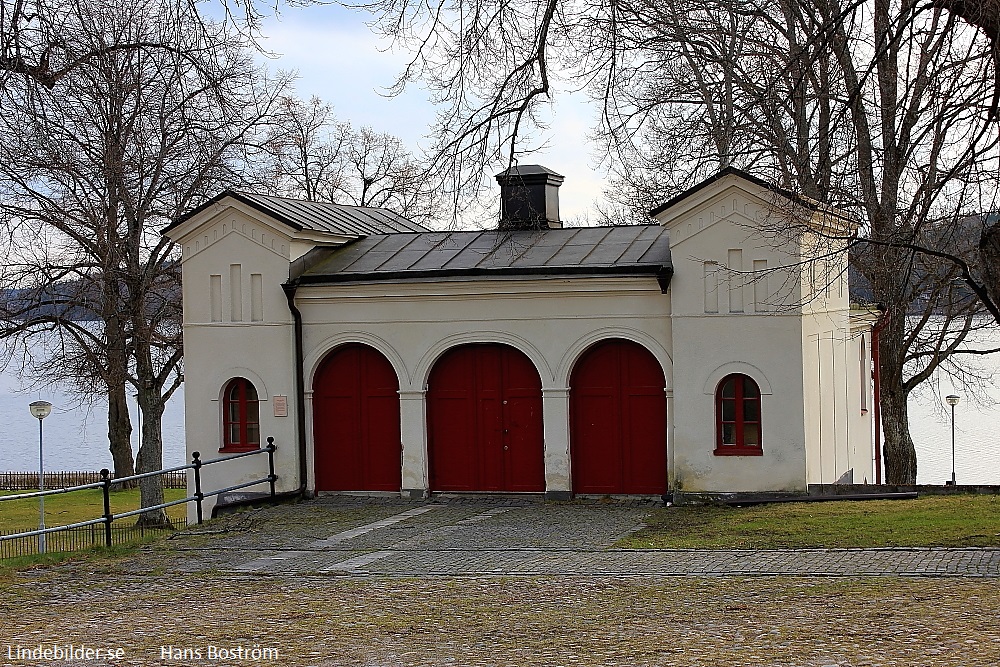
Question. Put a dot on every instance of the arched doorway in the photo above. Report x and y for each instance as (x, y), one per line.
(618, 421)
(484, 414)
(356, 421)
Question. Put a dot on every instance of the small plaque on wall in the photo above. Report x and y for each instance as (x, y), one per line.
(280, 406)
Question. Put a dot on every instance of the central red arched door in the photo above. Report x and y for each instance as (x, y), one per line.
(484, 414)
(356, 422)
(618, 415)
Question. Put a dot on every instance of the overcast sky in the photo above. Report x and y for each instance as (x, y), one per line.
(340, 61)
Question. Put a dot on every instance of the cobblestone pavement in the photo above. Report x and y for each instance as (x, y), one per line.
(348, 536)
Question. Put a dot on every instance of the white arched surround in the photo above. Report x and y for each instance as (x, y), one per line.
(422, 372)
(741, 367)
(414, 411)
(222, 380)
(584, 343)
(222, 377)
(315, 358)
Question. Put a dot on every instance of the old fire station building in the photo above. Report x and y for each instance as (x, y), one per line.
(700, 355)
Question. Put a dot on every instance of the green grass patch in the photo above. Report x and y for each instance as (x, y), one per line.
(929, 521)
(66, 508)
(104, 556)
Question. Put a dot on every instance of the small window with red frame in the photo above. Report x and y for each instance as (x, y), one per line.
(737, 417)
(241, 416)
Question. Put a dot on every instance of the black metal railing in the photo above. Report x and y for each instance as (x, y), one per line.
(76, 539)
(107, 481)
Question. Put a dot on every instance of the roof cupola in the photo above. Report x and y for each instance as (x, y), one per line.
(529, 197)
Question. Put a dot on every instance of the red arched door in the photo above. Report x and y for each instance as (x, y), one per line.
(618, 415)
(356, 422)
(484, 414)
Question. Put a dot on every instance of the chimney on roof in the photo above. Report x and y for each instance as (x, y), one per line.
(529, 197)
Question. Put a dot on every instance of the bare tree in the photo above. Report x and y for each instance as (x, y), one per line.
(989, 252)
(45, 40)
(878, 107)
(897, 135)
(91, 169)
(315, 156)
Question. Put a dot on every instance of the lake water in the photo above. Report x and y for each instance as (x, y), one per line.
(76, 437)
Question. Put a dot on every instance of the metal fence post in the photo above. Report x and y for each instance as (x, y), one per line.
(198, 495)
(106, 489)
(270, 464)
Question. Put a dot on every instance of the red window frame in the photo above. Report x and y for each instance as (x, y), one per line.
(737, 400)
(240, 417)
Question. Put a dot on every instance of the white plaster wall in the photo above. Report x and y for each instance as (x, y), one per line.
(826, 397)
(838, 433)
(708, 349)
(742, 303)
(217, 351)
(736, 310)
(860, 419)
(552, 320)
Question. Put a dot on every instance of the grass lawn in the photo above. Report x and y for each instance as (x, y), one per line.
(66, 508)
(929, 521)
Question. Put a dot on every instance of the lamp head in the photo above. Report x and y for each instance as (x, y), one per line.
(952, 399)
(40, 409)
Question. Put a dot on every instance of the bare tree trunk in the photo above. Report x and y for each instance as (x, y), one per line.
(120, 434)
(116, 378)
(151, 458)
(989, 256)
(900, 455)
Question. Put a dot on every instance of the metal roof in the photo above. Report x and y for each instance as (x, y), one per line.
(802, 200)
(636, 249)
(317, 216)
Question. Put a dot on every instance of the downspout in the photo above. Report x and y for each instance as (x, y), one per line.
(663, 277)
(300, 390)
(877, 394)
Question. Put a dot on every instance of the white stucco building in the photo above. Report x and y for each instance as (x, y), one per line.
(700, 356)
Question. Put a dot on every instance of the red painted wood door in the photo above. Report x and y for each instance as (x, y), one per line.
(618, 417)
(356, 422)
(484, 414)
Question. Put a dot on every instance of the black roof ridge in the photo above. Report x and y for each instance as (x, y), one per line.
(508, 231)
(665, 269)
(392, 256)
(238, 196)
(256, 201)
(417, 260)
(310, 201)
(630, 245)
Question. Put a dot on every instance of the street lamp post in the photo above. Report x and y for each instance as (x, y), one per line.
(40, 410)
(952, 400)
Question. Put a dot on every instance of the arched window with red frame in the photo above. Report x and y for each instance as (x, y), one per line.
(241, 416)
(737, 417)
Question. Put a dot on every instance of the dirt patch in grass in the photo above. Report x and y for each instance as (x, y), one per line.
(931, 521)
(326, 621)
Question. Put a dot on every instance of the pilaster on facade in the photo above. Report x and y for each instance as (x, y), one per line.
(413, 432)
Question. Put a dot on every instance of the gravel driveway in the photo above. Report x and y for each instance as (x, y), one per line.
(346, 581)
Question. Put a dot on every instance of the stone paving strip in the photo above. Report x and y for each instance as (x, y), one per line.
(267, 561)
(841, 562)
(525, 538)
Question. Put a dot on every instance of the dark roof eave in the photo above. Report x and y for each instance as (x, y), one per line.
(733, 171)
(662, 273)
(238, 197)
